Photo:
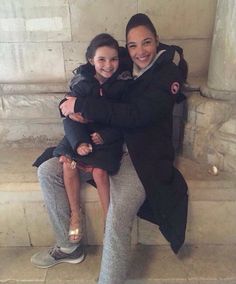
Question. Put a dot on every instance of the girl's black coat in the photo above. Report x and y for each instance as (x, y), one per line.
(145, 116)
(108, 155)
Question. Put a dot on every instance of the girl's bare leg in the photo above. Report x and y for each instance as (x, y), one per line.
(72, 186)
(101, 179)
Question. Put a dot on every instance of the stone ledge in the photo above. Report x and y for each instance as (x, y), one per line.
(33, 88)
(195, 265)
(202, 185)
(211, 216)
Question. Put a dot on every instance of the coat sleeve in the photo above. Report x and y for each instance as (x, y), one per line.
(76, 133)
(153, 105)
(110, 135)
(64, 148)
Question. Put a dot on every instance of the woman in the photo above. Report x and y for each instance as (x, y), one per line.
(146, 119)
(147, 183)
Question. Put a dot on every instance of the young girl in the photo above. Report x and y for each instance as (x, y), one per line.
(91, 146)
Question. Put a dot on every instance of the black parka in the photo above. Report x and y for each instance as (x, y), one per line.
(106, 156)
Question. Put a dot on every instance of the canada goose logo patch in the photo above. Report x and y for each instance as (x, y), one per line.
(174, 88)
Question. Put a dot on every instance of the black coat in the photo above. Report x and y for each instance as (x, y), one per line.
(106, 156)
(145, 116)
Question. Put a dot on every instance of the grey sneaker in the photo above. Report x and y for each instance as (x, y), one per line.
(53, 256)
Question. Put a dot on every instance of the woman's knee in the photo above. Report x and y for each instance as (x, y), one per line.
(49, 168)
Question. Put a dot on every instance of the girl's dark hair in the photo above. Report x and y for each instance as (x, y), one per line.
(140, 20)
(99, 41)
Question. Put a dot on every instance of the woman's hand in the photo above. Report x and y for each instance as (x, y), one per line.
(68, 106)
(78, 117)
(96, 138)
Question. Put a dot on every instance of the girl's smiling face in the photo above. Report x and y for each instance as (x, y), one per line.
(106, 62)
(142, 46)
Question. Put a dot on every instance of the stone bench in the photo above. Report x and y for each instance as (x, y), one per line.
(24, 220)
(30, 122)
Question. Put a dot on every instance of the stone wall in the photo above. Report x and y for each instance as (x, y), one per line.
(210, 132)
(43, 41)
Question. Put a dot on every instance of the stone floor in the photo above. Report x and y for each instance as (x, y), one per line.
(150, 264)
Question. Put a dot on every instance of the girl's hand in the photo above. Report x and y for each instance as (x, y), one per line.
(78, 117)
(96, 138)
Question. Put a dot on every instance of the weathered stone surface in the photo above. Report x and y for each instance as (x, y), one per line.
(33, 88)
(14, 230)
(171, 21)
(209, 132)
(149, 265)
(38, 222)
(31, 62)
(222, 75)
(199, 60)
(94, 223)
(94, 17)
(30, 117)
(207, 224)
(32, 106)
(34, 21)
(29, 32)
(212, 200)
(74, 55)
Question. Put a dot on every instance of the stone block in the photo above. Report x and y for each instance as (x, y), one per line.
(37, 117)
(211, 222)
(172, 19)
(211, 213)
(13, 225)
(31, 106)
(29, 133)
(94, 221)
(225, 143)
(39, 228)
(34, 21)
(74, 55)
(212, 113)
(209, 132)
(31, 62)
(198, 60)
(16, 267)
(51, 89)
(94, 17)
(229, 126)
(149, 234)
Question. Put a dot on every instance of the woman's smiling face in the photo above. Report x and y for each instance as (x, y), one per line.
(142, 46)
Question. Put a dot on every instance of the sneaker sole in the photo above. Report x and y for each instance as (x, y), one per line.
(66, 260)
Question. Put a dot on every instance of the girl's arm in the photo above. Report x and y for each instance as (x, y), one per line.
(76, 133)
(156, 103)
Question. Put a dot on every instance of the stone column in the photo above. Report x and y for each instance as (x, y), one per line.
(222, 69)
(213, 114)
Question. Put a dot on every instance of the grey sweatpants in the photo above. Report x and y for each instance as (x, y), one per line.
(127, 195)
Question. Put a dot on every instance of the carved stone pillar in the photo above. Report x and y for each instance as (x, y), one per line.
(210, 134)
(222, 69)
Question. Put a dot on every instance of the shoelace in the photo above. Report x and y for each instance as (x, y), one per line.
(54, 250)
